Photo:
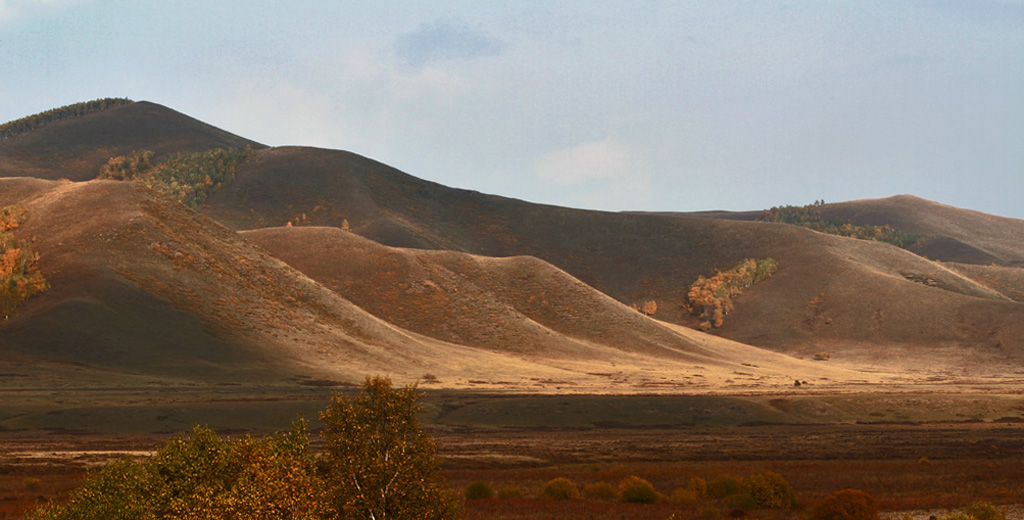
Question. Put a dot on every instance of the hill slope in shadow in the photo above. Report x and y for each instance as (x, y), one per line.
(862, 301)
(144, 289)
(75, 149)
(831, 293)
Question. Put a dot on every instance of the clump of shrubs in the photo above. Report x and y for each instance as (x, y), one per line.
(723, 486)
(977, 511)
(561, 489)
(636, 490)
(600, 491)
(699, 486)
(769, 489)
(847, 504)
(479, 490)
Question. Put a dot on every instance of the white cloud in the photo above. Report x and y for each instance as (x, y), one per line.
(595, 160)
(11, 9)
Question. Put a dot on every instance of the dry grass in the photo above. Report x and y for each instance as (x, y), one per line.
(815, 460)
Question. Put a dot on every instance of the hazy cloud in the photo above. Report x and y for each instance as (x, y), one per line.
(596, 160)
(445, 40)
(11, 9)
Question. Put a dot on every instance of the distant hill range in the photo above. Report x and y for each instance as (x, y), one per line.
(318, 266)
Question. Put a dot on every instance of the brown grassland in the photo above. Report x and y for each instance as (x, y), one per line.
(966, 448)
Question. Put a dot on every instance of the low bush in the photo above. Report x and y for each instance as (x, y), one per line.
(479, 490)
(848, 504)
(636, 490)
(984, 511)
(561, 489)
(723, 486)
(699, 486)
(770, 490)
(600, 491)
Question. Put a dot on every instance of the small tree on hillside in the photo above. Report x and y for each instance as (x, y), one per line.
(379, 463)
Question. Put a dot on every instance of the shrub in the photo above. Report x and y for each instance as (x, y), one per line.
(479, 490)
(723, 486)
(848, 504)
(699, 486)
(561, 489)
(741, 501)
(710, 513)
(600, 491)
(770, 490)
(636, 490)
(984, 511)
(684, 496)
(31, 484)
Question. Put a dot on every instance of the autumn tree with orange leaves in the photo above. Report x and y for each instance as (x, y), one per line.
(711, 297)
(20, 278)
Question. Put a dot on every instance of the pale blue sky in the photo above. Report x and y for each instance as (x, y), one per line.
(608, 105)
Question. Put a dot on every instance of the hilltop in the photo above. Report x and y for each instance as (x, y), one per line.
(74, 148)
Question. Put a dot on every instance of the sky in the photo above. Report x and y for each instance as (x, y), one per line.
(632, 105)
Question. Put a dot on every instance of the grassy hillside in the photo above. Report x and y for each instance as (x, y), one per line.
(75, 148)
(516, 304)
(858, 300)
(831, 293)
(144, 289)
(951, 234)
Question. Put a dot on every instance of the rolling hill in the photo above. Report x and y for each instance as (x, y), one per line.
(75, 148)
(831, 293)
(466, 286)
(146, 290)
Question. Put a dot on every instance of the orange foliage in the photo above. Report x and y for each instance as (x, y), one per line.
(20, 278)
(711, 298)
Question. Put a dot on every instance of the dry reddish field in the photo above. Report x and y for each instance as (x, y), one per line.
(905, 467)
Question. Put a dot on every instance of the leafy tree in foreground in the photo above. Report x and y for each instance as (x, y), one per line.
(378, 462)
(203, 476)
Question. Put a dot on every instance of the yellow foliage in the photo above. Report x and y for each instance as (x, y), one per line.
(711, 298)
